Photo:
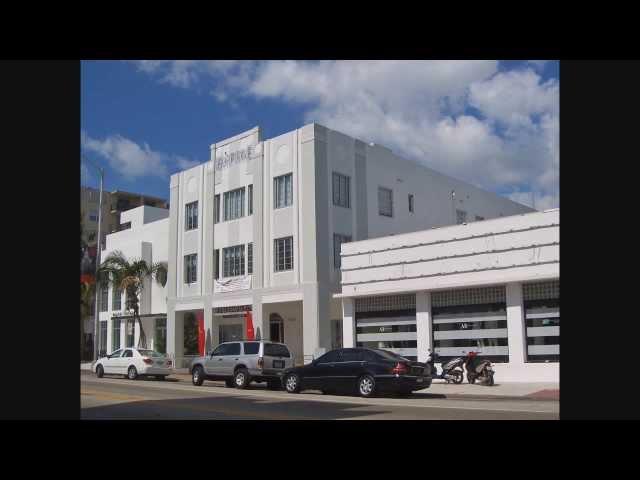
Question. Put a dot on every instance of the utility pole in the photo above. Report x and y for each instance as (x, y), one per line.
(453, 207)
(96, 331)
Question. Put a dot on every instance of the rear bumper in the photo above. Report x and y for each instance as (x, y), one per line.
(157, 371)
(266, 374)
(403, 382)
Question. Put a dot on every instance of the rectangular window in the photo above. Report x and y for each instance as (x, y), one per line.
(117, 299)
(479, 218)
(191, 216)
(130, 326)
(115, 338)
(250, 199)
(283, 254)
(104, 297)
(283, 191)
(542, 313)
(385, 202)
(341, 190)
(103, 338)
(191, 268)
(337, 241)
(250, 259)
(160, 337)
(410, 203)
(461, 216)
(233, 261)
(216, 263)
(234, 204)
(93, 215)
(216, 208)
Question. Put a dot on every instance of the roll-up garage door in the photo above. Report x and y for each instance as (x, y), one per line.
(473, 319)
(542, 313)
(388, 323)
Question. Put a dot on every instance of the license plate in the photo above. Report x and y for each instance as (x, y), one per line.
(278, 364)
(420, 380)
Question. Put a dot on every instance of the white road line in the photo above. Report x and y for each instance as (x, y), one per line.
(284, 397)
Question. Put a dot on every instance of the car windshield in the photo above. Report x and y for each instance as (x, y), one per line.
(390, 355)
(150, 353)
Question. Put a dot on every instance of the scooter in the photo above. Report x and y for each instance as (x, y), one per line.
(451, 371)
(478, 369)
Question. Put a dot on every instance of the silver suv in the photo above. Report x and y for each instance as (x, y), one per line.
(240, 363)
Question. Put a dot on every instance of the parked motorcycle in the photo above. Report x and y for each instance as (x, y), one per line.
(452, 370)
(478, 369)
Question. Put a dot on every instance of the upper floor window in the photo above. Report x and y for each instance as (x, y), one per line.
(338, 240)
(461, 216)
(385, 202)
(341, 190)
(250, 259)
(93, 215)
(104, 297)
(191, 216)
(283, 191)
(191, 268)
(117, 298)
(283, 254)
(234, 204)
(410, 203)
(233, 258)
(250, 200)
(216, 208)
(216, 261)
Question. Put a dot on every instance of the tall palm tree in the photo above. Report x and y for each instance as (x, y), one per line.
(129, 276)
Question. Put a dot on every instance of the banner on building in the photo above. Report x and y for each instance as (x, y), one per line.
(232, 284)
(249, 323)
(201, 332)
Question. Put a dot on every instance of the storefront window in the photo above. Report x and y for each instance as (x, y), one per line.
(115, 337)
(276, 328)
(190, 334)
(103, 338)
(160, 337)
(130, 332)
(542, 314)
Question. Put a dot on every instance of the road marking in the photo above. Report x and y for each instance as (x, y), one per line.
(309, 397)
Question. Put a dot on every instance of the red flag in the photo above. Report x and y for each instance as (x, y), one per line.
(201, 334)
(249, 320)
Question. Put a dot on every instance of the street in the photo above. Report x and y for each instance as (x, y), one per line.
(118, 398)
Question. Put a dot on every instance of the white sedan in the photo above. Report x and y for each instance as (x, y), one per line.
(133, 362)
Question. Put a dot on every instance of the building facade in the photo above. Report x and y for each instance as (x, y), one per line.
(259, 227)
(146, 238)
(491, 286)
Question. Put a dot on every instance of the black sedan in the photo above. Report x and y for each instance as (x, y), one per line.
(363, 370)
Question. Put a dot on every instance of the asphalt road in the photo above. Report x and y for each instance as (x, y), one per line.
(116, 398)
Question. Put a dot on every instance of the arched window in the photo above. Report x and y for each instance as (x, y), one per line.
(276, 328)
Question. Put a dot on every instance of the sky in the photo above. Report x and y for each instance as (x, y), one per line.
(494, 124)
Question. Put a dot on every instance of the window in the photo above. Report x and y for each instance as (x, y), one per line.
(329, 357)
(115, 337)
(130, 333)
(104, 297)
(352, 355)
(190, 268)
(232, 349)
(216, 209)
(461, 216)
(250, 259)
(160, 337)
(234, 204)
(191, 216)
(337, 241)
(385, 202)
(276, 328)
(116, 354)
(103, 339)
(275, 350)
(283, 254)
(542, 313)
(479, 218)
(250, 200)
(341, 190)
(251, 348)
(216, 261)
(93, 215)
(127, 354)
(283, 191)
(410, 203)
(190, 340)
(233, 261)
(117, 298)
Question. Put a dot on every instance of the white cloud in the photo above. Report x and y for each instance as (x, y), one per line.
(133, 160)
(417, 108)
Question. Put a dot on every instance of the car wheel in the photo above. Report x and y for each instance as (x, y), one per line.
(241, 378)
(229, 383)
(292, 383)
(100, 371)
(132, 373)
(366, 386)
(274, 385)
(161, 377)
(197, 376)
(471, 379)
(459, 376)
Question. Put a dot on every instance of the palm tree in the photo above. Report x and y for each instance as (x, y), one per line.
(129, 275)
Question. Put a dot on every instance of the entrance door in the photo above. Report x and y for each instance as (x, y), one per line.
(230, 333)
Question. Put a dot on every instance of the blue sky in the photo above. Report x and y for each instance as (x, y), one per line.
(494, 124)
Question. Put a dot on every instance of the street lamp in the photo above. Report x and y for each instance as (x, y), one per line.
(96, 330)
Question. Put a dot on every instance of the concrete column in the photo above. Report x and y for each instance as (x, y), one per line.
(208, 326)
(516, 324)
(310, 321)
(171, 330)
(348, 323)
(424, 324)
(109, 335)
(258, 320)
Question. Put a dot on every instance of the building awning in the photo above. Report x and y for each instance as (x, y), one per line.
(146, 315)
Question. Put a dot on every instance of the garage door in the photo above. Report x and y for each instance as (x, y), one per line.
(542, 313)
